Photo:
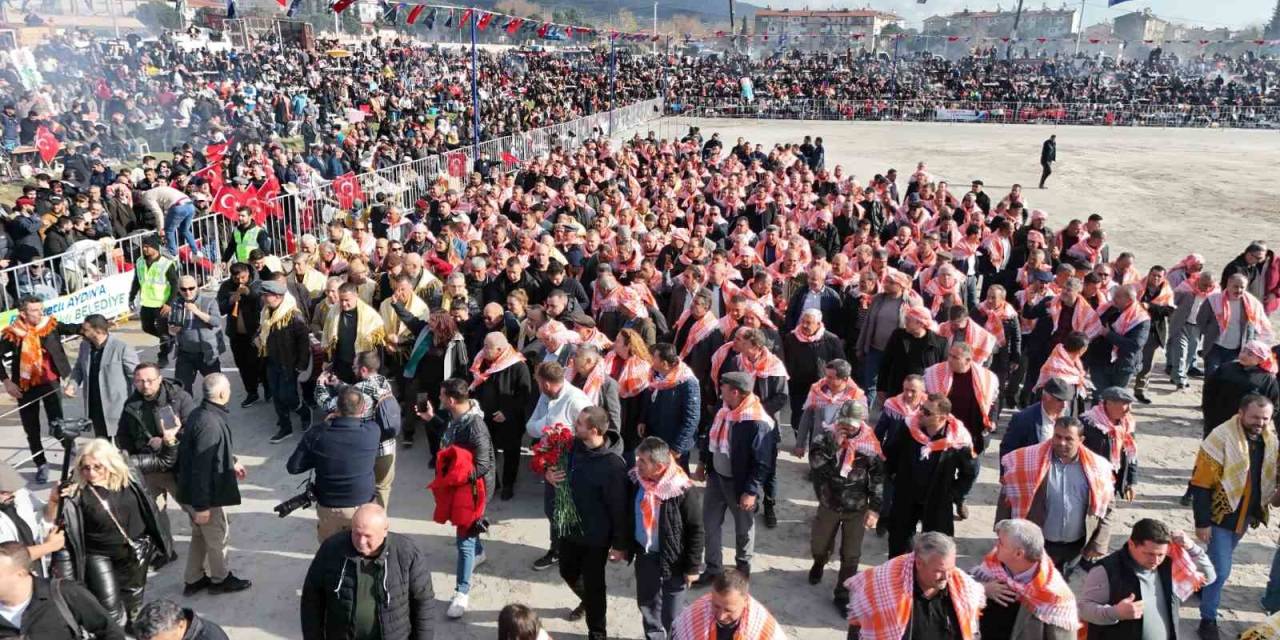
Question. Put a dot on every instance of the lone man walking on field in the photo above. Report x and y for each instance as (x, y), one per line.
(1048, 156)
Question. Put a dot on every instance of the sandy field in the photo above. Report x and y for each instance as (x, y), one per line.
(1164, 192)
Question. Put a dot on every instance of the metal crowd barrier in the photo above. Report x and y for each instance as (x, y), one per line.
(306, 211)
(961, 111)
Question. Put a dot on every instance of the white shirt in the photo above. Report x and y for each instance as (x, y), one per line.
(563, 409)
(14, 614)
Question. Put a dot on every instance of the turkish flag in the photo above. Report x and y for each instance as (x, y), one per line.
(251, 199)
(414, 13)
(346, 188)
(213, 153)
(483, 22)
(227, 200)
(269, 197)
(457, 164)
(514, 25)
(509, 158)
(47, 143)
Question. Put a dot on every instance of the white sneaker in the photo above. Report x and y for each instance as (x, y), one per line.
(458, 606)
(479, 560)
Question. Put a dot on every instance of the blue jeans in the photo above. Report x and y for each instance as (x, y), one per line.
(1271, 597)
(468, 548)
(177, 220)
(871, 373)
(1222, 544)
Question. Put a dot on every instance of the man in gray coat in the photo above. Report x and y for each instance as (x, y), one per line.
(105, 366)
(1019, 561)
(196, 327)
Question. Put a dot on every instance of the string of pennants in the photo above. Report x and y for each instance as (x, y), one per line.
(458, 17)
(783, 37)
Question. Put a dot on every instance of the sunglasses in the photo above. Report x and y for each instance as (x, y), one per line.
(92, 467)
(186, 288)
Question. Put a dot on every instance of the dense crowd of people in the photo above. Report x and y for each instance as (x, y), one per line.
(656, 319)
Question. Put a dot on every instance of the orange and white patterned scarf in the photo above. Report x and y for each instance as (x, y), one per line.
(880, 599)
(996, 317)
(1083, 317)
(30, 349)
(1254, 313)
(956, 436)
(659, 382)
(595, 381)
(674, 482)
(634, 378)
(702, 327)
(822, 397)
(799, 333)
(864, 442)
(1064, 366)
(698, 622)
(1047, 595)
(982, 342)
(750, 409)
(986, 386)
(1187, 578)
(507, 358)
(767, 366)
(1121, 435)
(1026, 468)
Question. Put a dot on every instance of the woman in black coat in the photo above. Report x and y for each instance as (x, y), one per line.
(507, 394)
(106, 514)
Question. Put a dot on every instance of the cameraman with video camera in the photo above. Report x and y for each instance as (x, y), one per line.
(341, 453)
(208, 481)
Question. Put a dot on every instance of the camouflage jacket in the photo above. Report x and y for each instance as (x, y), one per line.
(861, 490)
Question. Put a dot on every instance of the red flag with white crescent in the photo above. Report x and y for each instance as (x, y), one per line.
(457, 164)
(47, 143)
(346, 188)
(269, 194)
(227, 200)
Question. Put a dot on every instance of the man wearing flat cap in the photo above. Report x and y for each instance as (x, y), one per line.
(848, 478)
(1034, 424)
(1109, 430)
(284, 342)
(737, 455)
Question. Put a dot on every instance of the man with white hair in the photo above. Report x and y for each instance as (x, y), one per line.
(208, 482)
(1229, 319)
(916, 595)
(1027, 597)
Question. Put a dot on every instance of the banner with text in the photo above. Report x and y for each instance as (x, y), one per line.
(108, 296)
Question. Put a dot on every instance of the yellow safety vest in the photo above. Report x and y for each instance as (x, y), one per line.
(154, 282)
(246, 242)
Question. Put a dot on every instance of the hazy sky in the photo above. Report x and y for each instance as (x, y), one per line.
(1220, 13)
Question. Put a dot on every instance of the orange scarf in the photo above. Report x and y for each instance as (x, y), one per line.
(595, 380)
(981, 341)
(956, 436)
(634, 377)
(1254, 313)
(673, 482)
(1121, 435)
(1047, 595)
(986, 386)
(864, 442)
(996, 317)
(1162, 298)
(798, 332)
(1083, 317)
(698, 622)
(30, 349)
(1187, 578)
(1061, 364)
(702, 327)
(504, 360)
(659, 382)
(880, 599)
(1025, 469)
(750, 409)
(820, 396)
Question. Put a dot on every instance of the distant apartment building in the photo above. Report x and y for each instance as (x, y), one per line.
(1143, 25)
(822, 30)
(1034, 23)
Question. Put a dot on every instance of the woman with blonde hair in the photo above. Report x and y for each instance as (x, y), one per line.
(628, 363)
(112, 528)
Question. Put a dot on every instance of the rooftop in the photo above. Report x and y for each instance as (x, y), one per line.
(839, 13)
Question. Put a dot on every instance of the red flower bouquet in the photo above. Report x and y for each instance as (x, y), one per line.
(551, 453)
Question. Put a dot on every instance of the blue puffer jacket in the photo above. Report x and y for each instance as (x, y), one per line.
(672, 415)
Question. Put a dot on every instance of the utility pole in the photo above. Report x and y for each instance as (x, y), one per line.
(655, 26)
(1080, 29)
(733, 37)
(1013, 35)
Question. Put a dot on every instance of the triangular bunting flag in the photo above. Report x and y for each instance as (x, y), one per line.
(466, 15)
(514, 25)
(414, 13)
(431, 19)
(341, 5)
(448, 22)
(483, 22)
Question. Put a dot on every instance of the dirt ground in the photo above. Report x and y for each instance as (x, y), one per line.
(1164, 192)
